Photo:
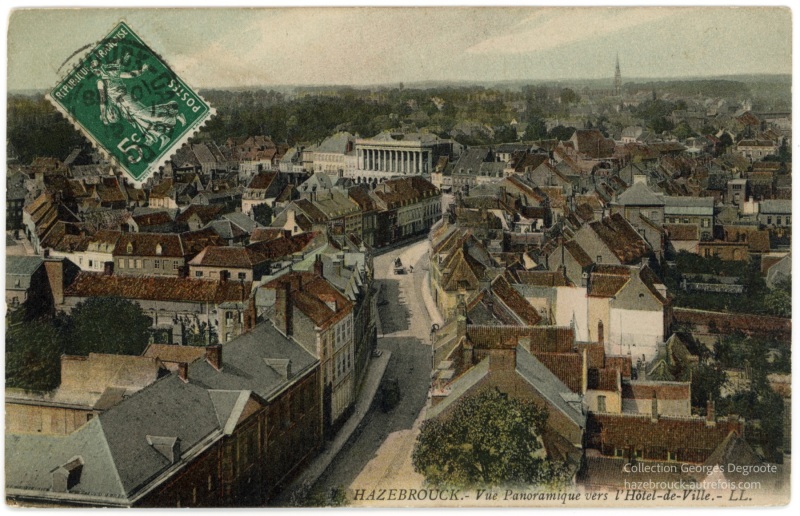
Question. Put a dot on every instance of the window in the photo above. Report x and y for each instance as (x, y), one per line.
(198, 274)
(778, 221)
(122, 264)
(705, 223)
(138, 263)
(175, 266)
(654, 215)
(601, 403)
(619, 452)
(769, 220)
(80, 261)
(157, 264)
(672, 456)
(788, 220)
(242, 275)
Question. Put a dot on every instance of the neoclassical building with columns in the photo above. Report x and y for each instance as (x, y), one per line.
(390, 155)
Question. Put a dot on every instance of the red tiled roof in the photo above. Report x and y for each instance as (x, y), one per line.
(196, 241)
(730, 322)
(147, 244)
(262, 180)
(515, 302)
(266, 234)
(632, 432)
(603, 379)
(158, 218)
(682, 232)
(577, 252)
(89, 284)
(173, 353)
(592, 143)
(621, 238)
(311, 294)
(568, 367)
(623, 364)
(595, 353)
(660, 390)
(395, 192)
(607, 285)
(206, 213)
(541, 278)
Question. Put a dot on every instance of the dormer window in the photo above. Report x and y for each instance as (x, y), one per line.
(130, 248)
(159, 249)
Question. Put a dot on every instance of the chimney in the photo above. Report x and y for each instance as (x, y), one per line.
(711, 418)
(55, 277)
(214, 356)
(108, 268)
(584, 371)
(654, 408)
(283, 309)
(461, 316)
(183, 371)
(318, 266)
(600, 335)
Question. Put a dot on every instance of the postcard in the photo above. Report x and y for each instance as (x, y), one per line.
(432, 257)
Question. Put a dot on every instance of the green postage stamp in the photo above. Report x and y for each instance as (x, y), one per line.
(125, 99)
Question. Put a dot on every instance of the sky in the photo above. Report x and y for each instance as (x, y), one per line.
(364, 46)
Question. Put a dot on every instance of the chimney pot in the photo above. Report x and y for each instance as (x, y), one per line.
(214, 356)
(183, 371)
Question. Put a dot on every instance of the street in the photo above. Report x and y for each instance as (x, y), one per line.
(379, 452)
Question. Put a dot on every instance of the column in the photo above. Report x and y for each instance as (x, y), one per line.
(359, 159)
(394, 161)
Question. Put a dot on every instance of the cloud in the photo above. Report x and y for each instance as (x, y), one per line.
(552, 28)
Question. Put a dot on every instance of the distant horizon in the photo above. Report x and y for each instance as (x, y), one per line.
(374, 46)
(466, 82)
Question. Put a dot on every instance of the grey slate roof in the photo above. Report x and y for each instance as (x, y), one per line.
(336, 144)
(779, 206)
(640, 195)
(244, 367)
(23, 265)
(689, 205)
(242, 220)
(460, 386)
(549, 386)
(118, 460)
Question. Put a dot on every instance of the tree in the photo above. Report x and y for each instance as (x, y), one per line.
(779, 300)
(568, 96)
(262, 213)
(108, 325)
(33, 355)
(683, 131)
(562, 133)
(488, 440)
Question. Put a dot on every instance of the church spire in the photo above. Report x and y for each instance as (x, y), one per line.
(617, 79)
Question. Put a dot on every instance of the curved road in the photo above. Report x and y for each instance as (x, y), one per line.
(379, 452)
